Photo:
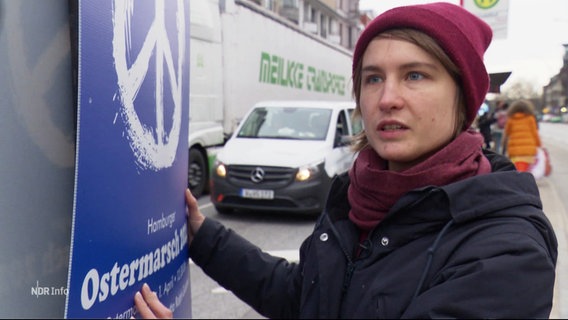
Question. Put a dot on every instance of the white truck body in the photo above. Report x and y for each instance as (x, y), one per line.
(242, 53)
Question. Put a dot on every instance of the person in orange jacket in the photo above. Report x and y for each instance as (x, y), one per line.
(521, 134)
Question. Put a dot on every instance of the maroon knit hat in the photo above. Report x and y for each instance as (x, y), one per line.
(463, 36)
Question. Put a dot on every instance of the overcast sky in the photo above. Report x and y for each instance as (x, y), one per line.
(533, 48)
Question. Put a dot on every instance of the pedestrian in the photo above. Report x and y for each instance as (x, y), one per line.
(426, 224)
(484, 124)
(521, 133)
(498, 126)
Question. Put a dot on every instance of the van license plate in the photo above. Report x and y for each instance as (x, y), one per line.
(257, 194)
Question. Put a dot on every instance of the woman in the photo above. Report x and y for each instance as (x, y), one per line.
(425, 224)
(521, 134)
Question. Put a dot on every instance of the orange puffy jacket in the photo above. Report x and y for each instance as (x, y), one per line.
(522, 135)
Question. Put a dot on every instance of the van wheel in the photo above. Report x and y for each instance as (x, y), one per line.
(197, 172)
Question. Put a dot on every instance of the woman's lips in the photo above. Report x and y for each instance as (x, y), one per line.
(391, 129)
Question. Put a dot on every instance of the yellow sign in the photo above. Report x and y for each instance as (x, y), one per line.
(485, 4)
(494, 12)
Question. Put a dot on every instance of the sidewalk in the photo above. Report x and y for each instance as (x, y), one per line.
(556, 212)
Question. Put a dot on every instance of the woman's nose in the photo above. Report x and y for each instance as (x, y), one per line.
(390, 96)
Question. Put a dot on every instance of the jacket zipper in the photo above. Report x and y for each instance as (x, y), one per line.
(350, 264)
(347, 278)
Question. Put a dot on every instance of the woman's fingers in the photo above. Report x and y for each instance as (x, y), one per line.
(195, 218)
(149, 306)
(191, 203)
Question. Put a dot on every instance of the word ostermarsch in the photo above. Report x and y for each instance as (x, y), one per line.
(121, 277)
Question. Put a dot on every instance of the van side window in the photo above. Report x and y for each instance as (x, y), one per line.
(356, 123)
(341, 128)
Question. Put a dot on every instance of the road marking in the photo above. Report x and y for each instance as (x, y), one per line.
(207, 205)
(290, 255)
(219, 290)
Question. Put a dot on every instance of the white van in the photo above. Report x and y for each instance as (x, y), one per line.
(283, 156)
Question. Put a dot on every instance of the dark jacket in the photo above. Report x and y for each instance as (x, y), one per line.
(477, 248)
(484, 124)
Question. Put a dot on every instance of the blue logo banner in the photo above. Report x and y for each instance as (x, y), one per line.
(129, 224)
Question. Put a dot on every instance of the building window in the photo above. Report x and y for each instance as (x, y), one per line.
(290, 3)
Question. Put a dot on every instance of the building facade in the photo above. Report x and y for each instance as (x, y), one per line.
(555, 93)
(337, 21)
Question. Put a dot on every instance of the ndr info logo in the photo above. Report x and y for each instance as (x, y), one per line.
(48, 291)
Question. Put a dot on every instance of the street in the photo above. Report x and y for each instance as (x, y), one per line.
(282, 235)
(279, 234)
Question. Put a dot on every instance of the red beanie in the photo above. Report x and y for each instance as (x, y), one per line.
(463, 36)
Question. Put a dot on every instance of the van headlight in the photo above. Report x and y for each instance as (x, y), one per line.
(220, 169)
(307, 172)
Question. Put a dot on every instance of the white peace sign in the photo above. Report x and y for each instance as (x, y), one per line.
(156, 149)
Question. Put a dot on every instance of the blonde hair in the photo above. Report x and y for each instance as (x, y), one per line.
(429, 45)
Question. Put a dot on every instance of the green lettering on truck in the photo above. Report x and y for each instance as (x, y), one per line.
(287, 73)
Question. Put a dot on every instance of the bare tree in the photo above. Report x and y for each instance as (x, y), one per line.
(521, 89)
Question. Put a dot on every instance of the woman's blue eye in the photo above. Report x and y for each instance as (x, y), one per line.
(415, 76)
(374, 79)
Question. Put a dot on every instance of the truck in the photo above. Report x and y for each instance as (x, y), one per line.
(242, 53)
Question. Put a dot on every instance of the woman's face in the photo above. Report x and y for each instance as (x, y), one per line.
(408, 102)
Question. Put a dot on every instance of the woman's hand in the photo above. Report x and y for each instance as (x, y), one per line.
(194, 217)
(149, 306)
(146, 301)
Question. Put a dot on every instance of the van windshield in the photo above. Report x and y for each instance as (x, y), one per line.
(286, 123)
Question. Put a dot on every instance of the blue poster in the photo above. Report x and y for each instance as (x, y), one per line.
(129, 224)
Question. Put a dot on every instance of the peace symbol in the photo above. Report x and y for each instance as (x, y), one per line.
(153, 148)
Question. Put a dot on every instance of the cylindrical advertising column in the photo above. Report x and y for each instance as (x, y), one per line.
(37, 134)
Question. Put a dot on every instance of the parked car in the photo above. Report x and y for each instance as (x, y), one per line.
(283, 157)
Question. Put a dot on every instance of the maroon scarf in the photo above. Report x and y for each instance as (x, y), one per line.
(374, 189)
